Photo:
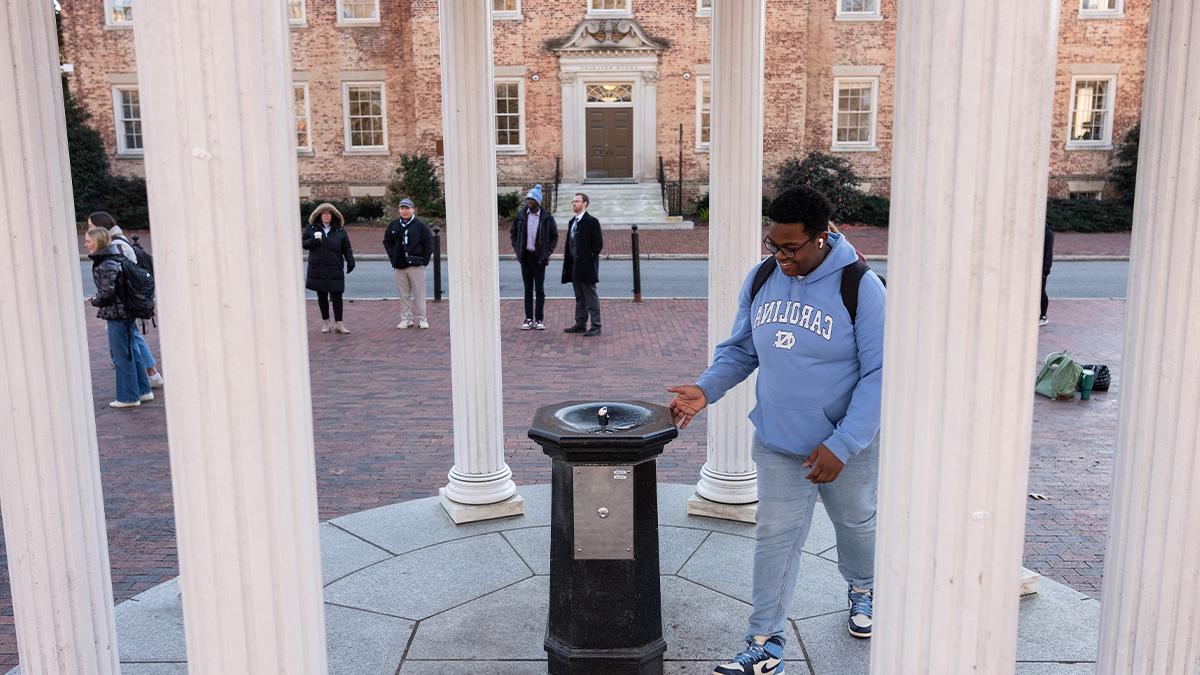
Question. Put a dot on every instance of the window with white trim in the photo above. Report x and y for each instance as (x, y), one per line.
(118, 13)
(303, 117)
(854, 112)
(506, 9)
(297, 14)
(127, 112)
(365, 116)
(703, 111)
(510, 115)
(357, 12)
(1091, 114)
(703, 7)
(858, 10)
(609, 8)
(1101, 9)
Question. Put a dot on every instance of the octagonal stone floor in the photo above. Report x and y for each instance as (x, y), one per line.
(409, 593)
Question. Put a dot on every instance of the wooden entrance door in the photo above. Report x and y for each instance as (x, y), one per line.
(610, 142)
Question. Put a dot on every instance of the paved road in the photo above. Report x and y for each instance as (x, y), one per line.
(688, 279)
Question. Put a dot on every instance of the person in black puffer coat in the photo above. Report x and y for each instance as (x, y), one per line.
(133, 386)
(328, 245)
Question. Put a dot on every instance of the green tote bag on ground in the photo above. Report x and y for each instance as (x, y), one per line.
(1059, 376)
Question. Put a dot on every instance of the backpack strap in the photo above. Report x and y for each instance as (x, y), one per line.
(852, 275)
(765, 269)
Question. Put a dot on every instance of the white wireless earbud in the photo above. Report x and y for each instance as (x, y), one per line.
(820, 243)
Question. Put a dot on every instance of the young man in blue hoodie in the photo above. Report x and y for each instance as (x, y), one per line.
(816, 417)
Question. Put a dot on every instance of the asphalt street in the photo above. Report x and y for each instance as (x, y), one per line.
(373, 279)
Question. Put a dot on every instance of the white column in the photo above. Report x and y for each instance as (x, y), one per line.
(1151, 611)
(49, 468)
(215, 80)
(973, 93)
(481, 485)
(729, 478)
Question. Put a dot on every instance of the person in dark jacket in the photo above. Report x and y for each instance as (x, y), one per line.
(133, 386)
(328, 245)
(534, 236)
(1047, 262)
(409, 245)
(581, 265)
(103, 219)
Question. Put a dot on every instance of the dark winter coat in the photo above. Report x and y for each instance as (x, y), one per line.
(1048, 250)
(589, 242)
(545, 241)
(420, 243)
(325, 255)
(106, 273)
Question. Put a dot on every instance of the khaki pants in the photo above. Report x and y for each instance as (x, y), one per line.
(411, 283)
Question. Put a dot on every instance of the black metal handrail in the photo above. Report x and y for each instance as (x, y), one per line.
(557, 179)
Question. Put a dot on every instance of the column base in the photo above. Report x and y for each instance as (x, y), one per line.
(1030, 582)
(699, 506)
(472, 513)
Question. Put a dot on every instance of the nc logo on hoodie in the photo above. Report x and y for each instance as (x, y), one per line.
(785, 339)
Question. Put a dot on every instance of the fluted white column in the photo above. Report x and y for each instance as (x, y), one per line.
(974, 85)
(1151, 608)
(481, 484)
(49, 468)
(216, 100)
(735, 193)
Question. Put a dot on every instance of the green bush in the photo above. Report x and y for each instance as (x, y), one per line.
(1124, 172)
(417, 179)
(367, 208)
(127, 202)
(870, 210)
(702, 214)
(831, 175)
(507, 204)
(357, 210)
(1089, 215)
(701, 204)
(90, 177)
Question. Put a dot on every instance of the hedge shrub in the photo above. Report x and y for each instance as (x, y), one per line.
(1089, 215)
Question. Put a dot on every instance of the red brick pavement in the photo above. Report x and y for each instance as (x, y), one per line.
(870, 240)
(382, 414)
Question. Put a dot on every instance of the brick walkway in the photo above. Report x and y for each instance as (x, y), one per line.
(383, 425)
(870, 240)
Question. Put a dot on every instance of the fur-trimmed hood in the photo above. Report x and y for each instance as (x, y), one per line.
(337, 215)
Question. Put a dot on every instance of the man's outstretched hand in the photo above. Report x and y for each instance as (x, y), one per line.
(824, 464)
(688, 402)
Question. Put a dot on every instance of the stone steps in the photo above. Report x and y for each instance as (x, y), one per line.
(619, 205)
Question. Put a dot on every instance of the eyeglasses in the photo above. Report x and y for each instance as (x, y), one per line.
(789, 252)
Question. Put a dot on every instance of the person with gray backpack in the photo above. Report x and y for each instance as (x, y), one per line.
(121, 295)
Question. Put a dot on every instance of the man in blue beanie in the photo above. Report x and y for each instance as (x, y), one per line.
(534, 236)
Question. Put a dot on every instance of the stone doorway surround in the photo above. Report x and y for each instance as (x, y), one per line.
(603, 51)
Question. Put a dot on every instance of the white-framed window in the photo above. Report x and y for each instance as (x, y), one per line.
(855, 108)
(118, 13)
(297, 13)
(1101, 9)
(510, 116)
(858, 10)
(127, 114)
(703, 112)
(1091, 114)
(365, 116)
(609, 8)
(303, 116)
(703, 7)
(506, 9)
(357, 12)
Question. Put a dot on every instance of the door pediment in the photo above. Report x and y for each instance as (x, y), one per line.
(608, 36)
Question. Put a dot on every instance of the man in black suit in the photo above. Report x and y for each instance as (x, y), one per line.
(581, 266)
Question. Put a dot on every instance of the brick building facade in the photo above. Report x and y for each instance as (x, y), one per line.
(603, 87)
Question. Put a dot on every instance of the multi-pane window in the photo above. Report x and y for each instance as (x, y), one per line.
(358, 11)
(858, 9)
(703, 7)
(610, 92)
(296, 13)
(506, 9)
(366, 127)
(1100, 8)
(854, 113)
(608, 6)
(508, 114)
(303, 118)
(1091, 112)
(118, 12)
(128, 116)
(703, 111)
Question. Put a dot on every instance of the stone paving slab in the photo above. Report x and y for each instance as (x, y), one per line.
(343, 553)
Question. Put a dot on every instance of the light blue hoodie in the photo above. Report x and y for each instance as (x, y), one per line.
(819, 375)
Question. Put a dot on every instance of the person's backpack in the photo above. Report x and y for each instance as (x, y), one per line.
(852, 275)
(143, 256)
(136, 289)
(1058, 377)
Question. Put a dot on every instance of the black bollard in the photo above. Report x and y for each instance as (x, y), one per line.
(637, 264)
(437, 264)
(605, 613)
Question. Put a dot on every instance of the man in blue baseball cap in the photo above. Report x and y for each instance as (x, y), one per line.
(409, 245)
(534, 236)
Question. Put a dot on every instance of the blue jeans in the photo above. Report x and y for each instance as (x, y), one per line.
(132, 382)
(143, 349)
(785, 509)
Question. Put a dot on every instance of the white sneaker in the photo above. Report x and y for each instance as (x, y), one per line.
(326, 326)
(124, 404)
(146, 397)
(404, 324)
(422, 323)
(156, 381)
(541, 325)
(1042, 321)
(528, 325)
